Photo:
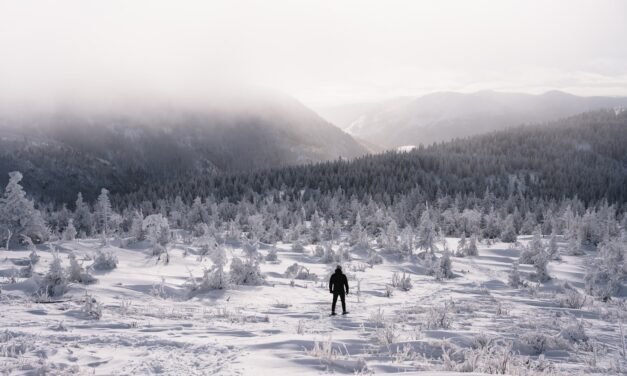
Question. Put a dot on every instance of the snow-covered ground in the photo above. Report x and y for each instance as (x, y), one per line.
(152, 324)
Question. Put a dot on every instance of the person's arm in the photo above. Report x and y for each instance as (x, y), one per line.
(331, 284)
(346, 284)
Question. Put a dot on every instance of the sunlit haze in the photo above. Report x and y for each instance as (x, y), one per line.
(321, 52)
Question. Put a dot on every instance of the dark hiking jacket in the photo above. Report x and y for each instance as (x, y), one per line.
(338, 283)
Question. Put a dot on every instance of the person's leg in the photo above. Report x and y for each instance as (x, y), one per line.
(343, 297)
(334, 302)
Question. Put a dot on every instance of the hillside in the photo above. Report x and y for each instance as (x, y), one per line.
(70, 150)
(583, 156)
(445, 115)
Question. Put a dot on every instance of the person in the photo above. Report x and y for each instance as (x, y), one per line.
(338, 286)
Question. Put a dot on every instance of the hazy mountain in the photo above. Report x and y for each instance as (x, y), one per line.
(445, 115)
(69, 149)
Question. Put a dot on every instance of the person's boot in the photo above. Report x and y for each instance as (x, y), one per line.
(345, 312)
(333, 313)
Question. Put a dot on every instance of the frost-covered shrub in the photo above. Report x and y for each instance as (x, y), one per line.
(472, 250)
(212, 279)
(444, 268)
(297, 246)
(572, 299)
(374, 258)
(76, 272)
(513, 279)
(105, 260)
(574, 332)
(296, 271)
(245, 273)
(318, 251)
(69, 233)
(55, 281)
(34, 257)
(91, 307)
(272, 256)
(387, 335)
(540, 262)
(438, 318)
(538, 342)
(344, 254)
(402, 282)
(526, 256)
(608, 271)
(329, 255)
(389, 291)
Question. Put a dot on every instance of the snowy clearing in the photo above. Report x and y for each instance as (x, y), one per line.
(151, 323)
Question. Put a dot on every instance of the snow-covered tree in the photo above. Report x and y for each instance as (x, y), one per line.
(70, 231)
(83, 219)
(607, 273)
(552, 248)
(245, 272)
(18, 216)
(427, 236)
(513, 278)
(76, 272)
(462, 245)
(316, 225)
(508, 235)
(472, 250)
(540, 262)
(103, 213)
(55, 281)
(444, 269)
(137, 226)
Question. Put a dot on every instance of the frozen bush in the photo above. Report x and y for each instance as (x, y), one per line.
(105, 260)
(572, 299)
(76, 272)
(472, 250)
(272, 256)
(69, 233)
(329, 255)
(574, 332)
(296, 271)
(608, 271)
(513, 278)
(538, 342)
(212, 279)
(526, 256)
(444, 268)
(55, 281)
(374, 258)
(318, 251)
(402, 282)
(387, 335)
(540, 262)
(297, 246)
(438, 318)
(245, 273)
(34, 257)
(91, 307)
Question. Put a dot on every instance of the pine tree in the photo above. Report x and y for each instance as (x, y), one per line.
(70, 231)
(82, 216)
(508, 235)
(427, 235)
(18, 216)
(472, 247)
(316, 224)
(103, 213)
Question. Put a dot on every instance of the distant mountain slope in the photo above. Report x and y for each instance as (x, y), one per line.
(584, 156)
(443, 116)
(69, 150)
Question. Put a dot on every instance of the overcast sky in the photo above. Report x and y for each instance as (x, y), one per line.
(322, 52)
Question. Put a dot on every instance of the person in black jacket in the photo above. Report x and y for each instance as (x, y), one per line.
(338, 286)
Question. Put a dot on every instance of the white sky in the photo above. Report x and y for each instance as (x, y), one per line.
(322, 52)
